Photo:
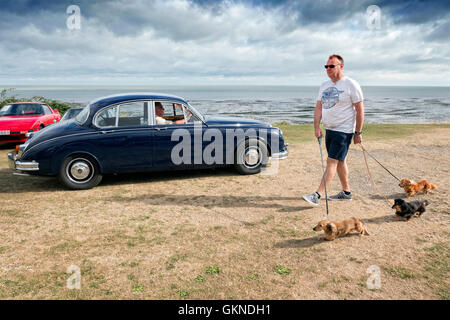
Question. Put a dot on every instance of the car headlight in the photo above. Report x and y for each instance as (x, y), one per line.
(21, 149)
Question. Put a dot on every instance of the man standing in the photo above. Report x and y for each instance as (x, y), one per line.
(341, 109)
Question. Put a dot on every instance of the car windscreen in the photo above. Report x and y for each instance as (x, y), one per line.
(196, 112)
(21, 110)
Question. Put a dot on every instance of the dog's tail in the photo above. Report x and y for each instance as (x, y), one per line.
(365, 232)
(426, 202)
(361, 227)
(433, 186)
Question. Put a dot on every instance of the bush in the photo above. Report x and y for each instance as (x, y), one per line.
(62, 107)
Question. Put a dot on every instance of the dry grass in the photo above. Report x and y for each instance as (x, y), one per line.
(218, 235)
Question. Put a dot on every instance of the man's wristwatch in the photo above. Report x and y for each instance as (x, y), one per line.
(358, 132)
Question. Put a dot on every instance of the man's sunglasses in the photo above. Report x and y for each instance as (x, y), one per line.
(331, 66)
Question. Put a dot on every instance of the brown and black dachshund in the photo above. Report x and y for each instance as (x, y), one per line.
(409, 209)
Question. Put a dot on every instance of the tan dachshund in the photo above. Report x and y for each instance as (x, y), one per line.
(412, 188)
(336, 229)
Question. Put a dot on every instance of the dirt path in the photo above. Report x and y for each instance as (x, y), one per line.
(217, 235)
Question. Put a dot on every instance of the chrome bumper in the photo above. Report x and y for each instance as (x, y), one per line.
(22, 165)
(281, 155)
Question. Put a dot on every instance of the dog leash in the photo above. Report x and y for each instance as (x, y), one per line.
(371, 178)
(364, 150)
(323, 171)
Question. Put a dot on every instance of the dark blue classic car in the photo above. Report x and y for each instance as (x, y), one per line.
(145, 132)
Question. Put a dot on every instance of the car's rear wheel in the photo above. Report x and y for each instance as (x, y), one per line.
(80, 172)
(251, 156)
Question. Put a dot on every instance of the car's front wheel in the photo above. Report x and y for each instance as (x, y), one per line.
(80, 172)
(251, 156)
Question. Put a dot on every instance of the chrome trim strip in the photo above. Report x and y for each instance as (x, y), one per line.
(27, 165)
(11, 161)
(280, 155)
(22, 165)
(22, 174)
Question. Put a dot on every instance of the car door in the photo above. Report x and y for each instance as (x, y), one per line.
(169, 137)
(124, 137)
(48, 117)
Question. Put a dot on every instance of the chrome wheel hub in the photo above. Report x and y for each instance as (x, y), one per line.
(252, 157)
(80, 170)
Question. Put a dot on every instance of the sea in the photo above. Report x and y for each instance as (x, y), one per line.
(272, 104)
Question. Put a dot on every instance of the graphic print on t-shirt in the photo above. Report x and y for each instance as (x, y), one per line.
(330, 97)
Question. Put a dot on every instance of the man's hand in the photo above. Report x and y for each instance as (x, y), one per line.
(357, 138)
(317, 118)
(318, 133)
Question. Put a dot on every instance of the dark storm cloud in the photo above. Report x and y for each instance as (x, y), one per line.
(441, 32)
(415, 11)
(132, 18)
(240, 38)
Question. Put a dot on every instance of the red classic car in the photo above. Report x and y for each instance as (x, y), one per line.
(19, 118)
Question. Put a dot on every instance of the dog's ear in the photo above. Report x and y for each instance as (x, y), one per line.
(426, 202)
(331, 228)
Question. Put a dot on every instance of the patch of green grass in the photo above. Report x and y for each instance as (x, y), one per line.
(254, 276)
(200, 278)
(282, 270)
(183, 293)
(419, 240)
(296, 132)
(267, 219)
(212, 270)
(64, 247)
(437, 269)
(13, 213)
(170, 264)
(373, 131)
(138, 288)
(352, 259)
(285, 232)
(400, 272)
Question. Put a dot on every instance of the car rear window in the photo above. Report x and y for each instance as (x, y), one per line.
(21, 110)
(83, 115)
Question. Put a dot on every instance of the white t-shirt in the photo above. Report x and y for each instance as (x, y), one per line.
(338, 112)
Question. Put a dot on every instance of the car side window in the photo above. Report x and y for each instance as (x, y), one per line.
(46, 109)
(132, 114)
(172, 113)
(107, 118)
(123, 115)
(30, 109)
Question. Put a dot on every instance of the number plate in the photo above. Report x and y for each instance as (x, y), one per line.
(4, 132)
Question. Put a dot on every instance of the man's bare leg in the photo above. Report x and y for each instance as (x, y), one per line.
(330, 172)
(342, 171)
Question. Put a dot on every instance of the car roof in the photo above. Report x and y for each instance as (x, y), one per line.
(123, 97)
(31, 102)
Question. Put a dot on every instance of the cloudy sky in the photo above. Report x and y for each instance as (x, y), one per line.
(186, 42)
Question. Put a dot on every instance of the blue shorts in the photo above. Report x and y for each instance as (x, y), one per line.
(337, 144)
